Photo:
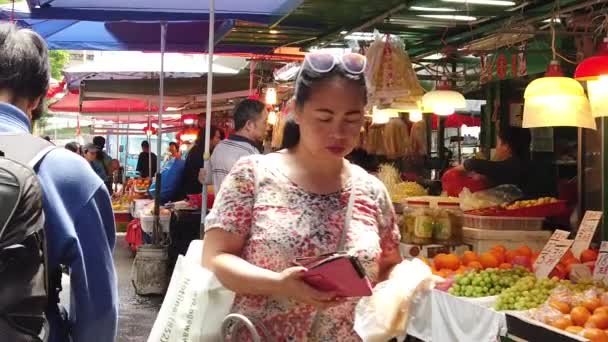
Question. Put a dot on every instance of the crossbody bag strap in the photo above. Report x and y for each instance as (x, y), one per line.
(347, 218)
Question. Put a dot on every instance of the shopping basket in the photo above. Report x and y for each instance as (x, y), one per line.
(233, 322)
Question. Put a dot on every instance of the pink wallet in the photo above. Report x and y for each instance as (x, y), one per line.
(341, 273)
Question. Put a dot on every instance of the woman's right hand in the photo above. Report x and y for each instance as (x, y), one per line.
(292, 285)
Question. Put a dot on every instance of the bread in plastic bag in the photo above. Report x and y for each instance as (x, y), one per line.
(489, 198)
(385, 314)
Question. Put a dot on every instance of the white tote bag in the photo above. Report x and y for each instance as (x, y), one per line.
(194, 307)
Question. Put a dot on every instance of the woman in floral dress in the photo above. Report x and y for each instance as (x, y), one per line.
(273, 209)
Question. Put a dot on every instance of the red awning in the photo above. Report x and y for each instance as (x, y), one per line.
(457, 120)
(70, 104)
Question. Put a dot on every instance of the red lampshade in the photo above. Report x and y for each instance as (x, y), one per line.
(594, 67)
(149, 130)
(189, 119)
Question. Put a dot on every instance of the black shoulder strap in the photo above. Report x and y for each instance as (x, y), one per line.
(25, 148)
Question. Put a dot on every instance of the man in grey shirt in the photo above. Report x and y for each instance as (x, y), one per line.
(250, 124)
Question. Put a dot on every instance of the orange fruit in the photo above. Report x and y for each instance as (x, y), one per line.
(499, 256)
(510, 255)
(451, 262)
(476, 265)
(461, 270)
(588, 255)
(488, 260)
(562, 323)
(524, 250)
(599, 320)
(499, 248)
(575, 329)
(592, 304)
(444, 273)
(561, 306)
(505, 266)
(595, 335)
(601, 309)
(468, 257)
(580, 315)
(438, 261)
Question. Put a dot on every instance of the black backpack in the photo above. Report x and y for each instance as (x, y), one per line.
(24, 275)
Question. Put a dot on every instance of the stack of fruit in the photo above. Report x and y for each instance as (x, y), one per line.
(530, 203)
(485, 283)
(527, 293)
(445, 265)
(564, 268)
(579, 309)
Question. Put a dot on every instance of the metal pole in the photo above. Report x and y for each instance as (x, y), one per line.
(209, 109)
(126, 167)
(157, 228)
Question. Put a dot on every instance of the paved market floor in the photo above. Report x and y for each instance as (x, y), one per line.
(137, 314)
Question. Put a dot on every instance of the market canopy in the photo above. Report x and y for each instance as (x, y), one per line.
(139, 65)
(262, 11)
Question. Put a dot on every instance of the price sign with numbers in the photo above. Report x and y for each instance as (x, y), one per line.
(600, 272)
(586, 231)
(551, 254)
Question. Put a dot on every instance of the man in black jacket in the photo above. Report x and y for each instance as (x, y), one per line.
(143, 164)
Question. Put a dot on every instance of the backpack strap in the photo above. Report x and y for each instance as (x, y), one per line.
(25, 148)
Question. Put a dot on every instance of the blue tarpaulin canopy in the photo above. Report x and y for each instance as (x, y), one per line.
(262, 11)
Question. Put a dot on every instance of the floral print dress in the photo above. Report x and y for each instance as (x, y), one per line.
(280, 222)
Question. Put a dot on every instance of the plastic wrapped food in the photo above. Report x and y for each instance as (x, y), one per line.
(489, 198)
(396, 138)
(546, 314)
(386, 313)
(374, 143)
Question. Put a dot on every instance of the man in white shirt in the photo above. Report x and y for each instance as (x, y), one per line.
(250, 124)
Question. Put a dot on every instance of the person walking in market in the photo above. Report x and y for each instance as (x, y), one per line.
(79, 223)
(250, 118)
(104, 159)
(275, 208)
(143, 162)
(90, 154)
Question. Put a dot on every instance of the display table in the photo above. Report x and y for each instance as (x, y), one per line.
(439, 316)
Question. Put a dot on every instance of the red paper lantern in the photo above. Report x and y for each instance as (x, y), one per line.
(149, 130)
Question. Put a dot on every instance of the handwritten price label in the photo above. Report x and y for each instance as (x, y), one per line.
(586, 231)
(600, 272)
(559, 234)
(551, 254)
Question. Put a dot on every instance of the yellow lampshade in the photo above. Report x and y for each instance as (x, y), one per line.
(556, 101)
(443, 102)
(381, 116)
(598, 96)
(415, 116)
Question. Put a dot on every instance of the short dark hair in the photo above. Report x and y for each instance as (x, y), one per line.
(173, 143)
(245, 111)
(24, 64)
(306, 81)
(518, 140)
(99, 141)
(145, 144)
(73, 146)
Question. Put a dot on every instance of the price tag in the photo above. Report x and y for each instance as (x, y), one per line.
(586, 231)
(551, 254)
(559, 234)
(600, 272)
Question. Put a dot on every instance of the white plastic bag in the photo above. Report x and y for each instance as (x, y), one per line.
(386, 313)
(194, 307)
(489, 198)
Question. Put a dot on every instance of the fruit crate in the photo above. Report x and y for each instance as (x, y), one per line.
(503, 223)
(482, 240)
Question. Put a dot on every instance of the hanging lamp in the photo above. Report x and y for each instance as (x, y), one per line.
(555, 100)
(443, 101)
(189, 119)
(382, 116)
(272, 117)
(594, 70)
(415, 116)
(271, 96)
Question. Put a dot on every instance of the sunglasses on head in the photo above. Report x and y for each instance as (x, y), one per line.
(323, 62)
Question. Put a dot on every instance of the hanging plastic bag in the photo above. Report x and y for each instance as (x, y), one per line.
(194, 307)
(454, 181)
(489, 198)
(386, 313)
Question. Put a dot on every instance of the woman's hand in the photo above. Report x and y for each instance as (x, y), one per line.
(291, 285)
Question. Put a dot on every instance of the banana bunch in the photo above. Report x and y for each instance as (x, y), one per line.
(530, 203)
